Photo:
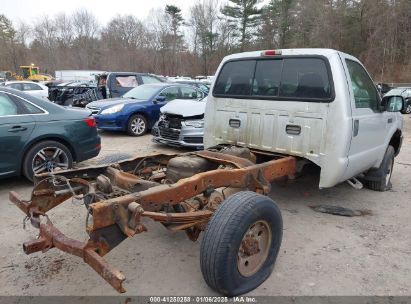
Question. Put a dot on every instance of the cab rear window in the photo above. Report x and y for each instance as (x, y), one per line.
(281, 78)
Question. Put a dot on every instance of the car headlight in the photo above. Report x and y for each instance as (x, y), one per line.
(113, 109)
(195, 123)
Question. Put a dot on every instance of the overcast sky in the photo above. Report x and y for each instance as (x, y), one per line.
(28, 10)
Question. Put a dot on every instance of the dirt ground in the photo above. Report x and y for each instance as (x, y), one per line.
(321, 254)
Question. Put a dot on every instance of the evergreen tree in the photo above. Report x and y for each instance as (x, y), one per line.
(176, 20)
(243, 14)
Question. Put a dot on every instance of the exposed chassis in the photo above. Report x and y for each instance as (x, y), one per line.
(119, 195)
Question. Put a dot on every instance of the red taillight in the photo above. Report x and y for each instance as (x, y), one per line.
(270, 53)
(91, 122)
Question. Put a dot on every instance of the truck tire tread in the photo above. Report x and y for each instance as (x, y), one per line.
(225, 229)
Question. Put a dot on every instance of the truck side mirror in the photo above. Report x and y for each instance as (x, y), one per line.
(394, 103)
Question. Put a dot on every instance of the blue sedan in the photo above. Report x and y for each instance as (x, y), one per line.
(138, 110)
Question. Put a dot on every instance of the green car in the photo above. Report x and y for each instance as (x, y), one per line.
(38, 136)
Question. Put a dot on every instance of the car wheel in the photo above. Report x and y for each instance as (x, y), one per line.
(241, 243)
(137, 125)
(383, 174)
(46, 156)
(407, 109)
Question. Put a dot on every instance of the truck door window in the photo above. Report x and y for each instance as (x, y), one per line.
(267, 78)
(305, 78)
(235, 78)
(365, 93)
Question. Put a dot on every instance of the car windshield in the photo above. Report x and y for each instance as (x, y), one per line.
(142, 92)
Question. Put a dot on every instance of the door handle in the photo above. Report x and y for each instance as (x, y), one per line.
(17, 129)
(389, 120)
(356, 127)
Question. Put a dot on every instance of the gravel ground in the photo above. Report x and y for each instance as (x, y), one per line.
(321, 254)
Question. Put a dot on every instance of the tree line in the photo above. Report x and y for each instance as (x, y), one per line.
(376, 31)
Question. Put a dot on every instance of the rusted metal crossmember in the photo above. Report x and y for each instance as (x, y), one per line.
(50, 237)
(118, 218)
(91, 251)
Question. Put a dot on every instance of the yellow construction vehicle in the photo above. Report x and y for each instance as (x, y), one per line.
(31, 72)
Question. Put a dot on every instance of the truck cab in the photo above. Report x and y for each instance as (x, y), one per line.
(319, 105)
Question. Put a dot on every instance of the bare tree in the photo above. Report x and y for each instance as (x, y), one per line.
(86, 29)
(65, 30)
(376, 31)
(204, 20)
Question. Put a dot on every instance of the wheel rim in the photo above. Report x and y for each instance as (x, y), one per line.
(254, 248)
(389, 172)
(50, 159)
(138, 126)
(408, 109)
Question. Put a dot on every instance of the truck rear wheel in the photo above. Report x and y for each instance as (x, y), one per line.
(241, 243)
(380, 179)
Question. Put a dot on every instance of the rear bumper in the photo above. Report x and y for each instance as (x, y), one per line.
(185, 137)
(88, 149)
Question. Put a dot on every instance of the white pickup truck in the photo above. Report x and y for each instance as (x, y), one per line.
(268, 114)
(316, 104)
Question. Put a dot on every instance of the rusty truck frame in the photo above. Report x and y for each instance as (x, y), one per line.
(182, 191)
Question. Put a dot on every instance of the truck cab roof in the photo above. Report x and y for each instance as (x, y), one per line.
(288, 52)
